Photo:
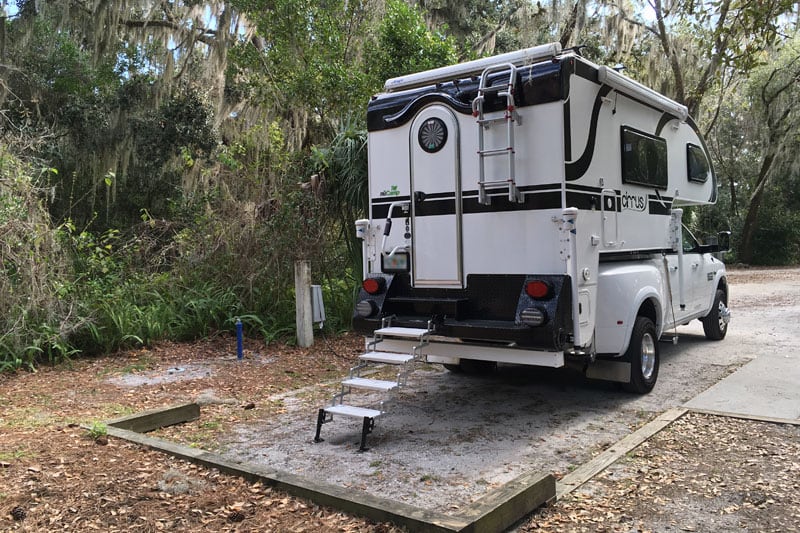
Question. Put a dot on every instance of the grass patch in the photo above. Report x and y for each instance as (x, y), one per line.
(27, 418)
(15, 455)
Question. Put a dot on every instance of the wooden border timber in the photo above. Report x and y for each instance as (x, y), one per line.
(588, 470)
(755, 418)
(496, 511)
(157, 418)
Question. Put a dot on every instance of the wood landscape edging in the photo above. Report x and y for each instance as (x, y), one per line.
(496, 511)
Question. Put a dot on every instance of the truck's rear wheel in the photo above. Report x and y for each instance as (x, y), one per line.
(715, 325)
(642, 354)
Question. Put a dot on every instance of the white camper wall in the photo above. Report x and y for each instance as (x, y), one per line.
(634, 227)
(539, 147)
(513, 242)
(389, 171)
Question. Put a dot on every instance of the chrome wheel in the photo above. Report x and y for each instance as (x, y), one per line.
(642, 354)
(715, 324)
(724, 315)
(648, 356)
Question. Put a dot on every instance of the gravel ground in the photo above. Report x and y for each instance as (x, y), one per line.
(450, 438)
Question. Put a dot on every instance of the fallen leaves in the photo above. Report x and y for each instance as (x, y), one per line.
(703, 473)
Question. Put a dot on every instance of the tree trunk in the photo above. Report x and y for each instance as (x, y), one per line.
(669, 50)
(569, 26)
(751, 220)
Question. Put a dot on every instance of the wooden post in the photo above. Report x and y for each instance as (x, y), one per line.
(302, 289)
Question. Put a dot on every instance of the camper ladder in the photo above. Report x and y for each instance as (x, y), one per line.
(355, 381)
(510, 117)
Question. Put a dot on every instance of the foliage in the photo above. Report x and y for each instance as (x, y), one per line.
(36, 317)
(342, 173)
(406, 45)
(755, 141)
(194, 151)
(97, 430)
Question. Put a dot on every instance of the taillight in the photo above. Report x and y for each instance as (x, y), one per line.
(533, 316)
(374, 285)
(538, 289)
(366, 308)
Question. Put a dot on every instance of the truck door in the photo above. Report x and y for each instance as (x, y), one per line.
(436, 199)
(692, 266)
(699, 285)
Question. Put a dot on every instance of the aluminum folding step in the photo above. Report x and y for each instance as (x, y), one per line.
(387, 358)
(367, 416)
(371, 384)
(406, 333)
(352, 411)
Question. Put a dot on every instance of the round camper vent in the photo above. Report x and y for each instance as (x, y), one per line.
(432, 135)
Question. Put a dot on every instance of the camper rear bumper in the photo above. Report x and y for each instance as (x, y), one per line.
(442, 351)
(493, 309)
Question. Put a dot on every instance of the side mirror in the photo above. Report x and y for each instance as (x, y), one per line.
(724, 241)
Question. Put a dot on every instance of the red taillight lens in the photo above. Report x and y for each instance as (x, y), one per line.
(374, 285)
(537, 289)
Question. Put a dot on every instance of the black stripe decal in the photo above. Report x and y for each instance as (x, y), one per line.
(586, 71)
(577, 169)
(583, 197)
(659, 205)
(389, 199)
(404, 115)
(567, 133)
(665, 119)
(576, 187)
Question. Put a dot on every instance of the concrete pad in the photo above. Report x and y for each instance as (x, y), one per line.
(768, 386)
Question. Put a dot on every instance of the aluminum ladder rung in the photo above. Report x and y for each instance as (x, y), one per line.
(497, 151)
(495, 88)
(493, 184)
(494, 120)
(511, 117)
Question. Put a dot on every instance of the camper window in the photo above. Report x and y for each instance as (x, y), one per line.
(644, 159)
(697, 164)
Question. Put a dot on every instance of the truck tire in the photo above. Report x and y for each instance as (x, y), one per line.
(642, 354)
(715, 324)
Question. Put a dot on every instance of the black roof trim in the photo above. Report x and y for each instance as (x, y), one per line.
(535, 84)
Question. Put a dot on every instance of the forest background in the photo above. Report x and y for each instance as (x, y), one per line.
(163, 164)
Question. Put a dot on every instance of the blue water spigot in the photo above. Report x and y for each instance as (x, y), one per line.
(239, 348)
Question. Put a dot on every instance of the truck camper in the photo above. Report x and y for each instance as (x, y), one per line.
(526, 208)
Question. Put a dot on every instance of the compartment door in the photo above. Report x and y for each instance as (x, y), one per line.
(436, 199)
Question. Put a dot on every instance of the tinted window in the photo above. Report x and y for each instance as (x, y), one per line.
(644, 159)
(697, 163)
(689, 242)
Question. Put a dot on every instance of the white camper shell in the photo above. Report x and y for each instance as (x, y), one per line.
(526, 208)
(533, 166)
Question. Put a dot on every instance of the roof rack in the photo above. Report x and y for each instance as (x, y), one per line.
(471, 68)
